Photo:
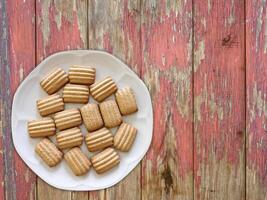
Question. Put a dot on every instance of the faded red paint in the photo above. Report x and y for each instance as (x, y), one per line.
(219, 93)
(160, 122)
(106, 42)
(163, 36)
(22, 61)
(131, 29)
(66, 38)
(256, 89)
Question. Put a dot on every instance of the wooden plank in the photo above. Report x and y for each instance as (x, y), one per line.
(219, 100)
(19, 179)
(60, 26)
(114, 26)
(5, 82)
(256, 60)
(167, 170)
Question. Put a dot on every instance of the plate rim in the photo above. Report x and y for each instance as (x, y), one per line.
(130, 166)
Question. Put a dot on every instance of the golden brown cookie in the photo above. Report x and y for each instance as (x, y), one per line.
(91, 117)
(81, 75)
(54, 81)
(48, 152)
(68, 119)
(41, 127)
(69, 138)
(126, 101)
(75, 93)
(105, 160)
(77, 161)
(124, 137)
(110, 113)
(103, 89)
(99, 139)
(50, 104)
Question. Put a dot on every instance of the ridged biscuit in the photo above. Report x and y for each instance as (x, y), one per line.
(103, 89)
(69, 138)
(124, 137)
(110, 113)
(77, 161)
(81, 75)
(126, 101)
(75, 93)
(41, 127)
(105, 160)
(54, 81)
(68, 119)
(91, 117)
(99, 139)
(50, 104)
(48, 152)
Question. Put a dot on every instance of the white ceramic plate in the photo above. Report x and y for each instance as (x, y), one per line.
(24, 109)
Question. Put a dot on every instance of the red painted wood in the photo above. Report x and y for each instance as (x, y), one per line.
(3, 95)
(21, 49)
(167, 71)
(256, 85)
(219, 100)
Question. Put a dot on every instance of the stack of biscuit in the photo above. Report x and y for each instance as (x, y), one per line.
(77, 85)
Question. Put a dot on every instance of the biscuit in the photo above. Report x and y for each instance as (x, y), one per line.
(91, 117)
(81, 75)
(124, 137)
(48, 152)
(103, 89)
(75, 93)
(110, 113)
(41, 127)
(77, 161)
(54, 81)
(126, 101)
(105, 160)
(99, 139)
(50, 104)
(68, 119)
(69, 138)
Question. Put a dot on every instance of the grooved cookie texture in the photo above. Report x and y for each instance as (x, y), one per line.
(105, 160)
(54, 81)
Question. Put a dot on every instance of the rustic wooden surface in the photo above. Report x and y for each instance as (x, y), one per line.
(204, 65)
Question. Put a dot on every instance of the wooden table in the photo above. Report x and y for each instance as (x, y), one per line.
(204, 64)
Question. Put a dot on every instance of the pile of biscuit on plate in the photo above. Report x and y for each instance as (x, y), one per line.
(97, 118)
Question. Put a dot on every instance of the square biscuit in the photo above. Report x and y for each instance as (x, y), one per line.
(91, 117)
(48, 152)
(77, 161)
(55, 80)
(102, 89)
(124, 137)
(110, 113)
(126, 101)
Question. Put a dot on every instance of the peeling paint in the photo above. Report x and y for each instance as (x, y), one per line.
(259, 20)
(259, 103)
(199, 54)
(231, 18)
(21, 72)
(45, 24)
(265, 35)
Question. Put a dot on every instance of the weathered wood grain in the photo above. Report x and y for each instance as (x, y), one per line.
(4, 81)
(256, 87)
(19, 180)
(114, 26)
(60, 26)
(219, 100)
(167, 170)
